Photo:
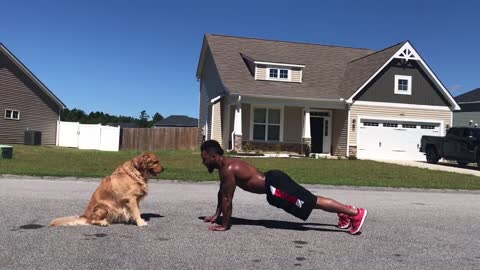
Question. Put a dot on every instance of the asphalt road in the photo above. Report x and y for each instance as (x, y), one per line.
(405, 230)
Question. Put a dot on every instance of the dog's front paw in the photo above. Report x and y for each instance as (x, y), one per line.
(141, 223)
(103, 223)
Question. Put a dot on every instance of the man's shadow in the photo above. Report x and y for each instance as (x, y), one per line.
(283, 225)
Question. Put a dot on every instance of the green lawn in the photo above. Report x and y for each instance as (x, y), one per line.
(186, 165)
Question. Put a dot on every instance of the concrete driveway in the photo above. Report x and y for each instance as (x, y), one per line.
(406, 229)
(441, 166)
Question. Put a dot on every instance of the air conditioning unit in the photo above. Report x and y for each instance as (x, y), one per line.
(32, 137)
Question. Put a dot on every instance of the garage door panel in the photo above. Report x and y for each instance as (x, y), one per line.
(382, 139)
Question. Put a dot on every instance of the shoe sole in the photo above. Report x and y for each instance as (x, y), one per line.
(361, 223)
(344, 227)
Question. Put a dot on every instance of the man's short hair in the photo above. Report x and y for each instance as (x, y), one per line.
(212, 146)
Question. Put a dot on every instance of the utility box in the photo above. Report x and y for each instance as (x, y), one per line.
(32, 137)
(6, 152)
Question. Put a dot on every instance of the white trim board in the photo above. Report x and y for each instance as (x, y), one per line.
(409, 47)
(401, 105)
(278, 64)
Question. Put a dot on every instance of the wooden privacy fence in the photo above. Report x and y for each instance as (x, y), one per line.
(152, 139)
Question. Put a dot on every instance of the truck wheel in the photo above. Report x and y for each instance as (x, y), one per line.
(432, 156)
(462, 163)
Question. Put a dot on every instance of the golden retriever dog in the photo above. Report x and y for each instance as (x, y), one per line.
(116, 199)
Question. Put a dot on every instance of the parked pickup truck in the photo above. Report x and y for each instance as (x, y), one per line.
(461, 144)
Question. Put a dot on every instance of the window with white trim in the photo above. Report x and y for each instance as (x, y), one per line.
(370, 124)
(409, 126)
(12, 114)
(266, 124)
(390, 125)
(403, 85)
(427, 127)
(278, 74)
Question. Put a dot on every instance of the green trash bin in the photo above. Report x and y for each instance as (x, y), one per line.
(6, 151)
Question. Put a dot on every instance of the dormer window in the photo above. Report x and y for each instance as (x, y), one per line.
(275, 73)
(283, 72)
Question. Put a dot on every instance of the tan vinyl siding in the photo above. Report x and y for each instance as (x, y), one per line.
(261, 72)
(339, 132)
(217, 118)
(246, 122)
(37, 110)
(296, 75)
(203, 109)
(292, 124)
(225, 122)
(397, 113)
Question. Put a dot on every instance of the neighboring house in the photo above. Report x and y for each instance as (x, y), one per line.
(123, 124)
(25, 102)
(470, 109)
(277, 95)
(177, 121)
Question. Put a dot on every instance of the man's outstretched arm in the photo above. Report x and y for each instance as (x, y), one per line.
(214, 218)
(227, 189)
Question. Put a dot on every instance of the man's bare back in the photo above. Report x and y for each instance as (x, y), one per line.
(246, 176)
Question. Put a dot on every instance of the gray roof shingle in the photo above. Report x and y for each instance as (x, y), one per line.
(471, 96)
(360, 70)
(177, 121)
(331, 72)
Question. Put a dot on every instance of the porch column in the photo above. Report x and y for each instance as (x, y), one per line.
(237, 127)
(306, 136)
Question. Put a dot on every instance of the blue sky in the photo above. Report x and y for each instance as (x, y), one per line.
(121, 57)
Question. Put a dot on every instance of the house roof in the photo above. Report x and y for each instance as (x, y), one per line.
(324, 66)
(178, 121)
(124, 124)
(471, 96)
(330, 72)
(32, 76)
(360, 70)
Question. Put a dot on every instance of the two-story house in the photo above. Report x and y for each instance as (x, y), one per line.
(338, 100)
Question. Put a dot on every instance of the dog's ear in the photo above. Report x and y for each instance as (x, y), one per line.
(140, 162)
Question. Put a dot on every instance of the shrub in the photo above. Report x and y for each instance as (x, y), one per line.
(306, 149)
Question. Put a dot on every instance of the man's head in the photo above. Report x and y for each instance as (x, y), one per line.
(211, 154)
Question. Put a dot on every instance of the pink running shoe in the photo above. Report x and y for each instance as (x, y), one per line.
(344, 220)
(357, 220)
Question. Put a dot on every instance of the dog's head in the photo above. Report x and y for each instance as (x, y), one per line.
(147, 164)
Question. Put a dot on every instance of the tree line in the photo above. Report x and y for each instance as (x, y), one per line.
(77, 115)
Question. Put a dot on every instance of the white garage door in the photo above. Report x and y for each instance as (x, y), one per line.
(397, 140)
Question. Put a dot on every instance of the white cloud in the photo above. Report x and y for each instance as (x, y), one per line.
(455, 88)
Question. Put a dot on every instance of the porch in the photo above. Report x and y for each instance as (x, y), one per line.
(251, 123)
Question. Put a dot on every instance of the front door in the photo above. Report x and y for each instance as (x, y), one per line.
(316, 129)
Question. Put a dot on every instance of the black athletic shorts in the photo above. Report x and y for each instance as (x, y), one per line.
(284, 193)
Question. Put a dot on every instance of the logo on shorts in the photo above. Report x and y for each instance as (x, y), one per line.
(282, 195)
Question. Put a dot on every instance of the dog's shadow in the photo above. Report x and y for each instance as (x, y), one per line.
(283, 225)
(148, 216)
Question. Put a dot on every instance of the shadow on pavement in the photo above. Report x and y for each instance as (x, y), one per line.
(148, 216)
(283, 225)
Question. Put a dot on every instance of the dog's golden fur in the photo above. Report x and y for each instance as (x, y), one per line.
(116, 199)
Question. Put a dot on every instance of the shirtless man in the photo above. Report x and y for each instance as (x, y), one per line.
(281, 191)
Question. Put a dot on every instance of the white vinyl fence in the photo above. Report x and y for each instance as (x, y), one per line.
(87, 136)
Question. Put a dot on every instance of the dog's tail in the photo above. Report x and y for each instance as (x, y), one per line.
(68, 221)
